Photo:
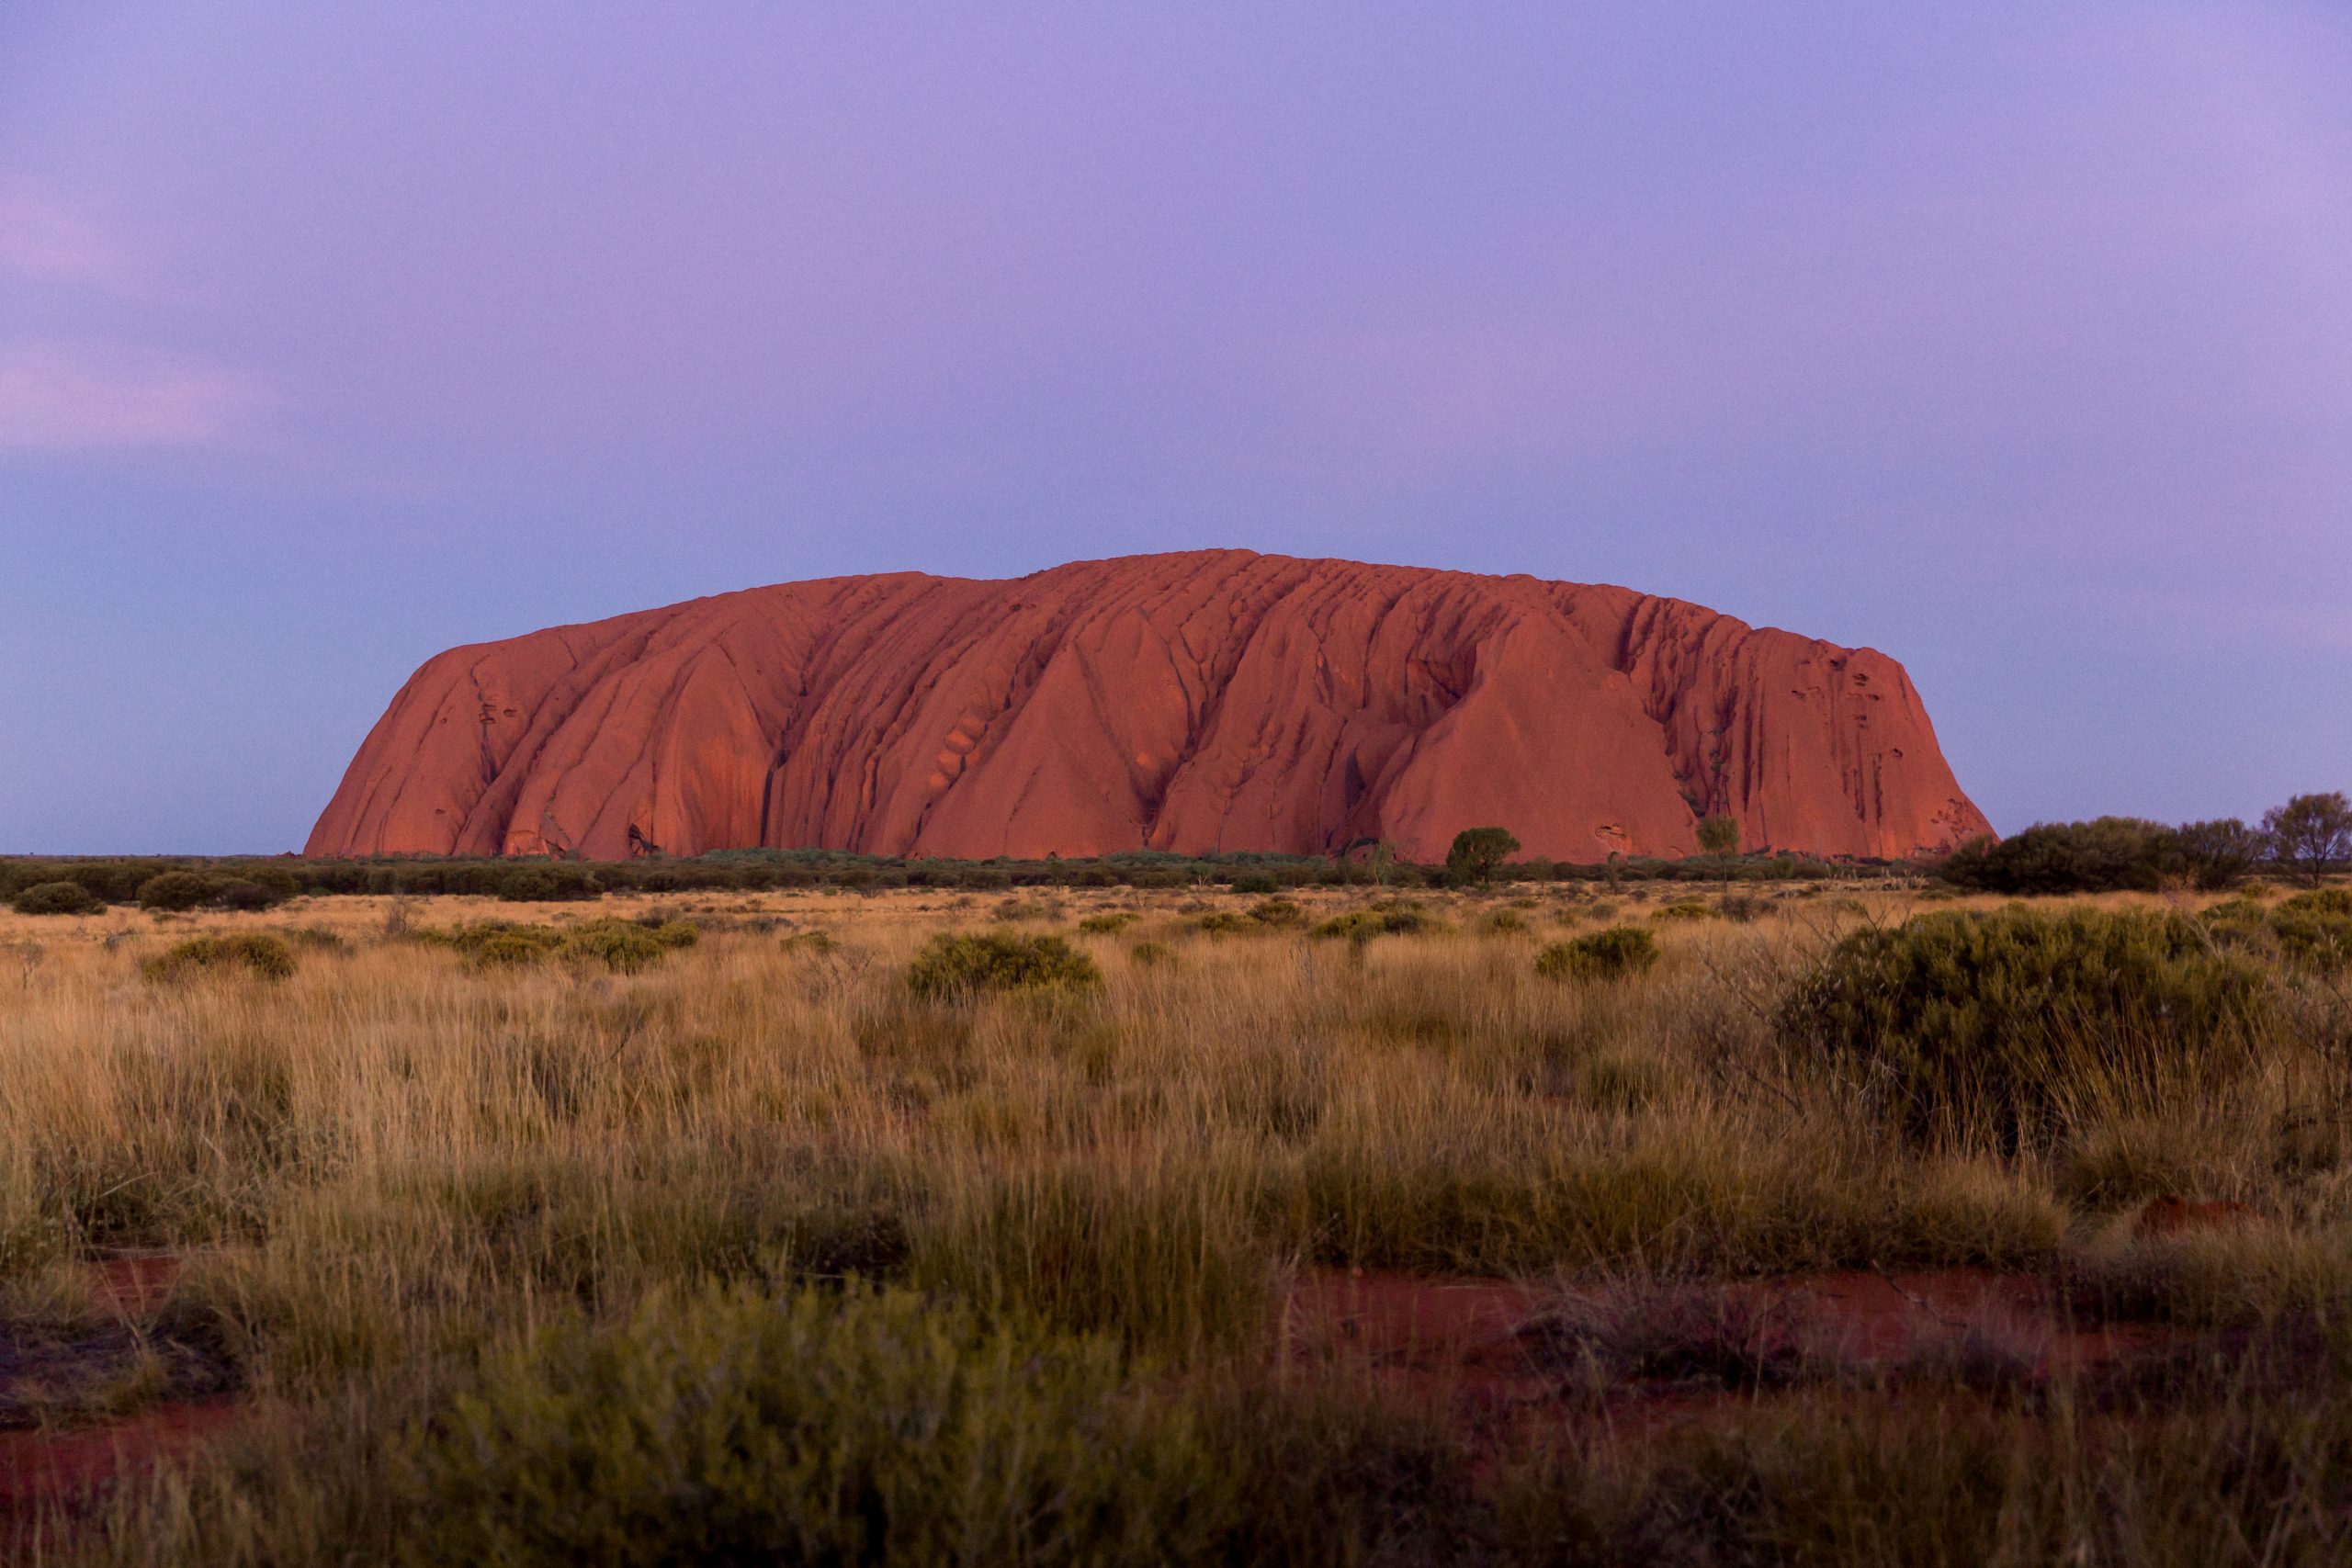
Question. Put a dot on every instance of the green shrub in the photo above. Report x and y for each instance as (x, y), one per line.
(1684, 910)
(263, 954)
(810, 942)
(1106, 923)
(1278, 912)
(2112, 854)
(513, 944)
(1393, 917)
(511, 948)
(626, 945)
(55, 898)
(542, 885)
(825, 1428)
(174, 891)
(2314, 930)
(1256, 882)
(1152, 955)
(2330, 902)
(249, 897)
(1961, 1023)
(1224, 923)
(1743, 907)
(1598, 955)
(961, 964)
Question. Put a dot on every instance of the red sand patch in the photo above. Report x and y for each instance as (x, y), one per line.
(47, 1471)
(2172, 1216)
(1468, 1344)
(136, 1283)
(37, 1467)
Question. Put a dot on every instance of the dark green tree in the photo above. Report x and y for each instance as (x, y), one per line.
(2217, 854)
(2310, 834)
(1478, 853)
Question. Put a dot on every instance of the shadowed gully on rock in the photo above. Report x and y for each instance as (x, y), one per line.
(1212, 701)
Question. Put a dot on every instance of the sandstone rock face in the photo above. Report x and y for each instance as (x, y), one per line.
(1203, 701)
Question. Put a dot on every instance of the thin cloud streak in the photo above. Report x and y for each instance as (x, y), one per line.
(44, 241)
(65, 398)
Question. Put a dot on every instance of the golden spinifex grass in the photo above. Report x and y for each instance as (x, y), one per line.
(397, 1160)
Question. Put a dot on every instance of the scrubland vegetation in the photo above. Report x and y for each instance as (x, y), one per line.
(933, 1226)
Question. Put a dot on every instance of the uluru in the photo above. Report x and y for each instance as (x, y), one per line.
(1207, 702)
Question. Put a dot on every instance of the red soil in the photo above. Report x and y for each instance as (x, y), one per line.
(136, 1283)
(1474, 1345)
(1220, 700)
(2171, 1216)
(37, 1467)
(43, 1471)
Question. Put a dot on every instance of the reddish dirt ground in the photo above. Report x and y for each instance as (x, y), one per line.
(38, 1466)
(1477, 1345)
(44, 1469)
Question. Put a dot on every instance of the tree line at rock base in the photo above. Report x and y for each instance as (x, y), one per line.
(2302, 840)
(78, 884)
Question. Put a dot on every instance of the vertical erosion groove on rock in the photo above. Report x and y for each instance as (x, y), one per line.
(1196, 703)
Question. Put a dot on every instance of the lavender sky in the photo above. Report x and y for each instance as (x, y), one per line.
(2015, 341)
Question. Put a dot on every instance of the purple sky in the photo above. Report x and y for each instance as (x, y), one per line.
(2016, 341)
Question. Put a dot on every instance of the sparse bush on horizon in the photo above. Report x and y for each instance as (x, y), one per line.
(53, 898)
(2308, 836)
(174, 891)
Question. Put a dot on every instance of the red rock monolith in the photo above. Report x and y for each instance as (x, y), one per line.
(1216, 700)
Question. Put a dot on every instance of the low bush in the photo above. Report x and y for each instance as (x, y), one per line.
(258, 952)
(1106, 923)
(624, 945)
(510, 947)
(962, 963)
(174, 891)
(55, 898)
(827, 1427)
(1393, 917)
(542, 885)
(2314, 930)
(249, 897)
(1685, 910)
(1967, 1025)
(1599, 955)
(1152, 955)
